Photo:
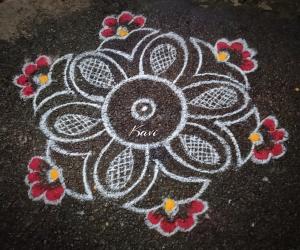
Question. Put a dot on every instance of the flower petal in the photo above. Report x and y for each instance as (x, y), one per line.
(110, 21)
(277, 150)
(35, 164)
(43, 61)
(30, 69)
(168, 226)
(221, 45)
(125, 17)
(247, 65)
(154, 218)
(165, 56)
(278, 134)
(21, 80)
(28, 91)
(237, 46)
(72, 122)
(54, 194)
(37, 190)
(119, 169)
(33, 177)
(186, 223)
(94, 75)
(262, 154)
(200, 149)
(195, 207)
(270, 123)
(215, 99)
(139, 21)
(246, 54)
(107, 32)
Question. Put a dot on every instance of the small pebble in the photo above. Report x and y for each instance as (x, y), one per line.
(266, 179)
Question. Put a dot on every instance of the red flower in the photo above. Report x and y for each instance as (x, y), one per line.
(236, 52)
(44, 181)
(168, 226)
(268, 140)
(33, 74)
(121, 25)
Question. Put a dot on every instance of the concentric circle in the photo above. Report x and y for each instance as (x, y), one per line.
(144, 112)
(143, 109)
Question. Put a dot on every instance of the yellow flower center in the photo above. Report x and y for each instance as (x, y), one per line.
(53, 174)
(254, 137)
(169, 205)
(223, 56)
(122, 31)
(43, 79)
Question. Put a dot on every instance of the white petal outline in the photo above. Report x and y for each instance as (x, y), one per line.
(223, 126)
(68, 90)
(160, 167)
(212, 49)
(129, 57)
(179, 40)
(219, 138)
(88, 193)
(118, 194)
(241, 90)
(51, 136)
(91, 54)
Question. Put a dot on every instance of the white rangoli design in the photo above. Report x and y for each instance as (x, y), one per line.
(150, 117)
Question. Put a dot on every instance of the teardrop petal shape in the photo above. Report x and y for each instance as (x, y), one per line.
(120, 170)
(200, 150)
(74, 124)
(216, 98)
(162, 57)
(96, 72)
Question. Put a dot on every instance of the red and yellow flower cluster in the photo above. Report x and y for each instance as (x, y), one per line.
(45, 181)
(236, 52)
(268, 141)
(171, 220)
(121, 25)
(34, 74)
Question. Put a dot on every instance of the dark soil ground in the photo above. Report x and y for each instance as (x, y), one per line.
(254, 208)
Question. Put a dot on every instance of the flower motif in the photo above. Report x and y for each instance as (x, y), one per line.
(121, 25)
(34, 75)
(182, 220)
(236, 52)
(268, 141)
(142, 118)
(45, 182)
(109, 125)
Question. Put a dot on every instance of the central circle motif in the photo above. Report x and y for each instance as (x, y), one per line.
(144, 111)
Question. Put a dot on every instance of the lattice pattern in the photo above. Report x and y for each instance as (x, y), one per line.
(96, 72)
(74, 124)
(120, 170)
(199, 150)
(217, 98)
(162, 57)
